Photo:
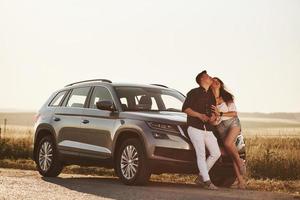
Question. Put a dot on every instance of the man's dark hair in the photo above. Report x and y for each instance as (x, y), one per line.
(199, 76)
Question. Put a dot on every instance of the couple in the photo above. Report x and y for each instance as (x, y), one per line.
(210, 107)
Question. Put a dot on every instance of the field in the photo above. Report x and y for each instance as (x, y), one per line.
(273, 153)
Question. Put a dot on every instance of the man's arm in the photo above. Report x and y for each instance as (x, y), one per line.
(188, 104)
(193, 113)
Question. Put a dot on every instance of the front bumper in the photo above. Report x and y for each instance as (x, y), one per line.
(177, 155)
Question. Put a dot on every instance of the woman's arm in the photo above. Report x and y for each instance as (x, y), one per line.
(231, 113)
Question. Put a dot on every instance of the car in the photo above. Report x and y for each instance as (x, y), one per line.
(137, 129)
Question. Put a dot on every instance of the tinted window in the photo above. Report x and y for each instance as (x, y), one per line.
(149, 99)
(78, 97)
(57, 99)
(140, 99)
(99, 94)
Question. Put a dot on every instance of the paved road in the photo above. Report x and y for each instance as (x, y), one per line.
(24, 184)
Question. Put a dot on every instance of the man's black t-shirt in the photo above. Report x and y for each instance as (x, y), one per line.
(199, 100)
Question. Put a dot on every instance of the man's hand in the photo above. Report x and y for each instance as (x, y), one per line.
(203, 117)
(213, 118)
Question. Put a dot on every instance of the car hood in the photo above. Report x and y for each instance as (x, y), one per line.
(159, 116)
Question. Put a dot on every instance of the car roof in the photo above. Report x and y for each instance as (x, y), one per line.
(76, 85)
(114, 84)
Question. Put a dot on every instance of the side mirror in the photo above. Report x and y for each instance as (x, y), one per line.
(105, 105)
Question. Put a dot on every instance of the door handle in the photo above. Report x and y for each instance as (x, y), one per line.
(56, 119)
(85, 121)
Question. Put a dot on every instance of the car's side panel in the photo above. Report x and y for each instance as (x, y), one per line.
(67, 124)
(97, 133)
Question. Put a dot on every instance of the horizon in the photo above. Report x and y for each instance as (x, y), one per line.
(11, 110)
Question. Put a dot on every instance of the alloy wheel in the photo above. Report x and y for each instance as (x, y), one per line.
(129, 162)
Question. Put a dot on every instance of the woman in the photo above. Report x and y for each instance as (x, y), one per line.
(228, 125)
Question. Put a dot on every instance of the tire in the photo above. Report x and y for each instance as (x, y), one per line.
(47, 159)
(132, 157)
(222, 177)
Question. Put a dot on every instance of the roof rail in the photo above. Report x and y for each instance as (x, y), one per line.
(160, 85)
(91, 80)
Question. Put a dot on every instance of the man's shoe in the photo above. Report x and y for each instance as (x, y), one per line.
(209, 186)
(199, 181)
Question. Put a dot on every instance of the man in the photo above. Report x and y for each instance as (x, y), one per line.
(197, 106)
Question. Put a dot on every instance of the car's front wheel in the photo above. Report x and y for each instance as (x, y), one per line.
(47, 160)
(222, 176)
(131, 163)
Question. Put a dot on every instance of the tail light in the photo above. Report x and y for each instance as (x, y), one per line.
(36, 117)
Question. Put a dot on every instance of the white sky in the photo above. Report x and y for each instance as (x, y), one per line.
(254, 46)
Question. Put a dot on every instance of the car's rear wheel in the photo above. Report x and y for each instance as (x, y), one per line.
(47, 160)
(131, 163)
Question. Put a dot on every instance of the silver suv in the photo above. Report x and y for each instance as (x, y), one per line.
(135, 129)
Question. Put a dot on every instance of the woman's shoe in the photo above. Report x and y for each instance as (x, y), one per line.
(241, 186)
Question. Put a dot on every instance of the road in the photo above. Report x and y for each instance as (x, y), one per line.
(25, 184)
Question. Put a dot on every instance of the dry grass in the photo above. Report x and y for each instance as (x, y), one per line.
(277, 158)
(15, 148)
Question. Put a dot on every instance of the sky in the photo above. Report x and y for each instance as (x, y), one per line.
(253, 46)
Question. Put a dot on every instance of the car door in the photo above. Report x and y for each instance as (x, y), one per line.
(98, 125)
(68, 121)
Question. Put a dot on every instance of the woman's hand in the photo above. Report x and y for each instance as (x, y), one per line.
(215, 110)
(213, 119)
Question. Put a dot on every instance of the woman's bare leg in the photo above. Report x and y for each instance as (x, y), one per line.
(229, 144)
(240, 178)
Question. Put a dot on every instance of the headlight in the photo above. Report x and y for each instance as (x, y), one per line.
(164, 127)
(240, 144)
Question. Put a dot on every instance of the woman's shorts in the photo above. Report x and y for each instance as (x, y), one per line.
(225, 125)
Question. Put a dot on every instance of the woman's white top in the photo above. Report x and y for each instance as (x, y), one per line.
(223, 107)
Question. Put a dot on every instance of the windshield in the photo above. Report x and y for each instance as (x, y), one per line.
(149, 99)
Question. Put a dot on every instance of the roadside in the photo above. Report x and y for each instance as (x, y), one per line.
(28, 184)
(270, 185)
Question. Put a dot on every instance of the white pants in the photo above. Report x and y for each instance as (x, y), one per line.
(200, 140)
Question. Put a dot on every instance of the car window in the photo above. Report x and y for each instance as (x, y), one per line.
(99, 94)
(141, 99)
(78, 97)
(171, 102)
(57, 99)
(149, 99)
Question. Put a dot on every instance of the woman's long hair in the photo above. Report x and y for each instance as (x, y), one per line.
(226, 96)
